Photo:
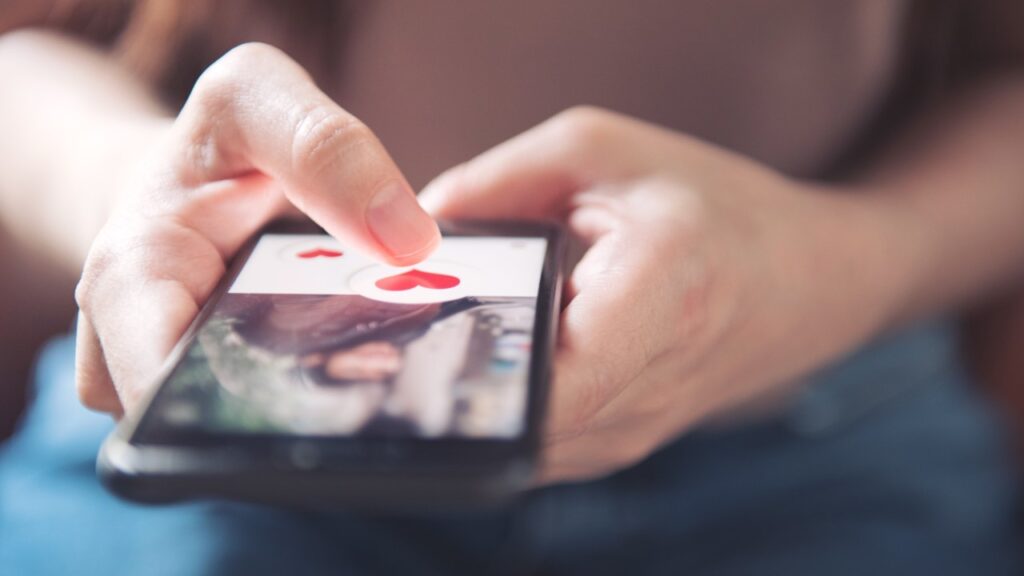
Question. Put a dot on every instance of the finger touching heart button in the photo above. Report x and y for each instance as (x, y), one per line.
(433, 281)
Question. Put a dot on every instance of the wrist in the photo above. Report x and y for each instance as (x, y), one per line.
(855, 270)
(834, 269)
(888, 250)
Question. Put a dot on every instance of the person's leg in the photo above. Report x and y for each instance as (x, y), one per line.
(894, 470)
(890, 465)
(55, 518)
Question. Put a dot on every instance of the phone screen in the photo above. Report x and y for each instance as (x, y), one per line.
(312, 338)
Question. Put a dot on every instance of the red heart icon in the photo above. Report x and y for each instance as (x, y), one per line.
(319, 252)
(412, 278)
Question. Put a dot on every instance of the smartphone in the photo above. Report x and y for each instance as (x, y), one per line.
(317, 376)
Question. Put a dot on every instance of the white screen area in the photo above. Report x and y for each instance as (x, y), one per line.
(311, 264)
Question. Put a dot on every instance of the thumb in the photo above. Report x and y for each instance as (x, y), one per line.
(537, 173)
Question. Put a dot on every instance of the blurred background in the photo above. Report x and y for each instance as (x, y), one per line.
(813, 88)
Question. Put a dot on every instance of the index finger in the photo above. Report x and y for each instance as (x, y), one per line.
(257, 110)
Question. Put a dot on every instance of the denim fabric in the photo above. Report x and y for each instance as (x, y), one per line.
(888, 464)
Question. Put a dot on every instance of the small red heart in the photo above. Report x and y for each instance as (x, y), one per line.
(319, 252)
(412, 278)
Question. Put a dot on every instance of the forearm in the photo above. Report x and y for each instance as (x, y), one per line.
(952, 195)
(74, 125)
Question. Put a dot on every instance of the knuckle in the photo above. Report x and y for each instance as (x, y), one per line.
(83, 292)
(89, 395)
(98, 396)
(319, 136)
(676, 218)
(212, 99)
(217, 88)
(118, 257)
(584, 116)
(251, 51)
(583, 127)
(245, 57)
(691, 212)
(97, 265)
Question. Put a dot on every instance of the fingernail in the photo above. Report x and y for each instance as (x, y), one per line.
(397, 221)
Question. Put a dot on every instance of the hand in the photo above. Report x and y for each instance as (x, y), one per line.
(708, 281)
(255, 140)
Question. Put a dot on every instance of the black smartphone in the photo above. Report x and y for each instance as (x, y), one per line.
(316, 376)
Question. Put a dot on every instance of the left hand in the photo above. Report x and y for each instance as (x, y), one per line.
(709, 280)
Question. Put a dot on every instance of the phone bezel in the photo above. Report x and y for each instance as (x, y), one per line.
(226, 451)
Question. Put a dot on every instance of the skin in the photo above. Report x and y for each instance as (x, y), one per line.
(709, 281)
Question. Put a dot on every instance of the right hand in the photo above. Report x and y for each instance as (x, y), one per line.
(255, 140)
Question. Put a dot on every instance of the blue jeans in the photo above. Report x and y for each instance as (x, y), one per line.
(888, 464)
